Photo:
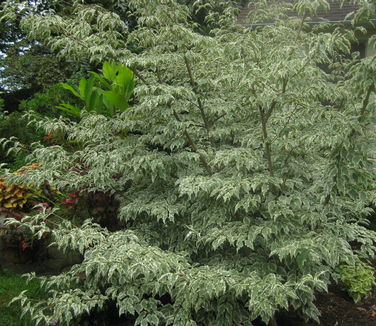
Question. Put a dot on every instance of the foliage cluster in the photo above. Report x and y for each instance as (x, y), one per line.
(26, 64)
(242, 179)
(358, 279)
(13, 196)
(107, 94)
(43, 103)
(16, 125)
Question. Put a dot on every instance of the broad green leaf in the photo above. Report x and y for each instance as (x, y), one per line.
(109, 71)
(82, 88)
(71, 109)
(101, 80)
(116, 100)
(124, 76)
(70, 88)
(88, 93)
(93, 103)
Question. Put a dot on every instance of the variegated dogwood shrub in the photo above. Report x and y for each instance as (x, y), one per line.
(242, 170)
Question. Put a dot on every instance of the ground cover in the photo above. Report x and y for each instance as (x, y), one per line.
(10, 286)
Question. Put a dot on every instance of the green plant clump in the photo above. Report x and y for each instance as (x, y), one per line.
(241, 171)
(104, 94)
(16, 125)
(358, 279)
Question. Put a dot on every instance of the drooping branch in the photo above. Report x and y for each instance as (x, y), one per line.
(364, 108)
(187, 135)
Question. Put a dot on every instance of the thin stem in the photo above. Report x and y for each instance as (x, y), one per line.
(268, 151)
(187, 135)
(353, 131)
(193, 145)
(158, 72)
(366, 100)
(139, 76)
(199, 103)
(301, 27)
(264, 120)
(219, 117)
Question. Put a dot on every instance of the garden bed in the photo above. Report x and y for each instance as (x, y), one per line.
(338, 309)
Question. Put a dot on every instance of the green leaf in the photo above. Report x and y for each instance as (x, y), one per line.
(94, 102)
(71, 109)
(89, 101)
(109, 71)
(82, 88)
(101, 80)
(302, 258)
(116, 100)
(70, 88)
(124, 76)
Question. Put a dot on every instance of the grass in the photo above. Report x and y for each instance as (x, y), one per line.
(11, 285)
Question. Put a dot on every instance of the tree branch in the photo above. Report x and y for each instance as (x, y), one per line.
(139, 76)
(199, 103)
(268, 151)
(264, 120)
(366, 100)
(193, 145)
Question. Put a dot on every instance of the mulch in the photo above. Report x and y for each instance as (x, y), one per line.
(338, 309)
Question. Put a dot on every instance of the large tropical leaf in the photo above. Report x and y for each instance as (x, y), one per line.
(82, 88)
(89, 93)
(109, 71)
(70, 88)
(103, 82)
(116, 100)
